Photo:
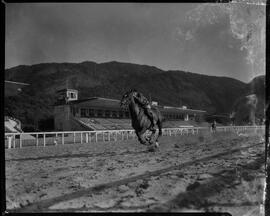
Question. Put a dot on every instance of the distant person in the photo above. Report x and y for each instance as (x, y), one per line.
(145, 104)
(214, 126)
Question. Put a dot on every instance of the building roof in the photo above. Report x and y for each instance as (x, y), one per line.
(179, 110)
(15, 83)
(66, 89)
(13, 88)
(100, 102)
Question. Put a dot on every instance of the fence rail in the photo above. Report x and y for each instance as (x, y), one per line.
(19, 140)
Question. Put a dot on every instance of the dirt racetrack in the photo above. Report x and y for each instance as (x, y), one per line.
(221, 172)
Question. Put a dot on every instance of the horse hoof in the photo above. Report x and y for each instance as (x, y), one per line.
(143, 142)
(151, 149)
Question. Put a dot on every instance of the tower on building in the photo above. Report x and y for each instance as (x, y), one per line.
(66, 95)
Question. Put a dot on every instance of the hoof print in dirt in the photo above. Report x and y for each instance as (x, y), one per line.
(123, 188)
(139, 191)
(177, 145)
(111, 168)
(180, 175)
(151, 148)
(193, 186)
(247, 176)
(204, 176)
(143, 185)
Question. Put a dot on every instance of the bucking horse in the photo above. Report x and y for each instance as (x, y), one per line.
(140, 121)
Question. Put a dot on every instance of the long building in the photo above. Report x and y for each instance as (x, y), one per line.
(97, 113)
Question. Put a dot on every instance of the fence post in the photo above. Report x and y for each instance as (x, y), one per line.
(74, 137)
(86, 137)
(56, 137)
(14, 141)
(103, 138)
(96, 137)
(63, 139)
(81, 138)
(44, 139)
(20, 138)
(9, 139)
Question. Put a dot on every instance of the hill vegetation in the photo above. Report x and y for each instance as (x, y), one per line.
(34, 105)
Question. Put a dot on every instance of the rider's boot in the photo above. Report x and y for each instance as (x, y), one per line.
(152, 126)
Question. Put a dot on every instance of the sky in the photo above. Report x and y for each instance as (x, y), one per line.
(200, 38)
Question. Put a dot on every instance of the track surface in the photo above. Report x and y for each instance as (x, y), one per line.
(206, 172)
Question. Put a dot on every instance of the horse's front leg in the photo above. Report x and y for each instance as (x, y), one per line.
(141, 138)
(154, 141)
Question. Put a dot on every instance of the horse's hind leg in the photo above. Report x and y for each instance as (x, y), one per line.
(152, 136)
(154, 141)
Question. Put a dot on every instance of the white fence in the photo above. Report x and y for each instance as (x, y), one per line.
(19, 140)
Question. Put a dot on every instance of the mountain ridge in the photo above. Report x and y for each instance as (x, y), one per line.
(112, 79)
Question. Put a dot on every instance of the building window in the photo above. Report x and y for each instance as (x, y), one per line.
(107, 113)
(91, 113)
(121, 114)
(100, 113)
(114, 114)
(83, 112)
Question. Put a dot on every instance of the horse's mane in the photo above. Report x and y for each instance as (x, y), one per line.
(141, 117)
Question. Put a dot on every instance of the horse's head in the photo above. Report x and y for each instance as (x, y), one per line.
(126, 98)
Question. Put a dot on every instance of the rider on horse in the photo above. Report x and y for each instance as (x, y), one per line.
(145, 104)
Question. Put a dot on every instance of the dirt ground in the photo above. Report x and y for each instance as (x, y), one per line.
(219, 172)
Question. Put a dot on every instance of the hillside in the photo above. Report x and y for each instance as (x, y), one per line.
(112, 79)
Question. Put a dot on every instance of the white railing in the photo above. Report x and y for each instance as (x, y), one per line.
(15, 140)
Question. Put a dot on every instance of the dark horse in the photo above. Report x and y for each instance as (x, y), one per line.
(140, 121)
